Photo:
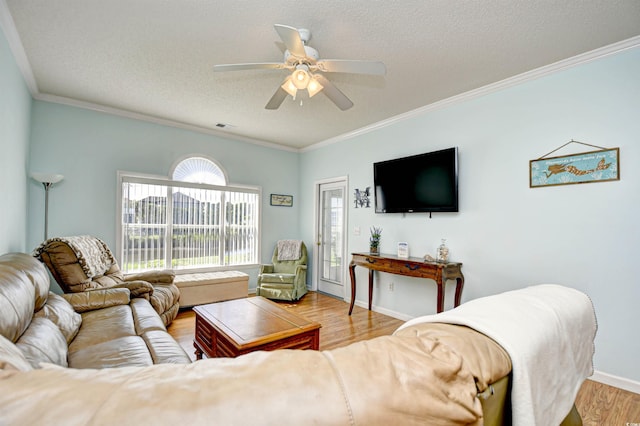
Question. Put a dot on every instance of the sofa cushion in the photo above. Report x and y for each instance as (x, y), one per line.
(61, 313)
(42, 341)
(17, 299)
(11, 358)
(102, 325)
(278, 278)
(124, 351)
(145, 318)
(164, 349)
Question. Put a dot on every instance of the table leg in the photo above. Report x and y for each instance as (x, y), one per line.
(440, 305)
(198, 351)
(370, 287)
(352, 274)
(459, 286)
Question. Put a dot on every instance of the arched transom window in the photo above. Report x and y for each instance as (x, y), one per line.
(199, 170)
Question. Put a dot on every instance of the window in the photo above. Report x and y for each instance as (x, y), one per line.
(192, 221)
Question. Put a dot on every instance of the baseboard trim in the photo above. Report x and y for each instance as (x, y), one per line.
(616, 381)
(384, 311)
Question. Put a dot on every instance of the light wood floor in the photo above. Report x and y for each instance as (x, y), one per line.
(598, 404)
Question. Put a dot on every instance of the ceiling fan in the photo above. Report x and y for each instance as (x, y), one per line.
(306, 69)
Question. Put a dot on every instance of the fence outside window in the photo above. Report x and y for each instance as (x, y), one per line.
(186, 226)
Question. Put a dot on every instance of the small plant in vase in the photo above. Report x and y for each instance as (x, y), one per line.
(374, 240)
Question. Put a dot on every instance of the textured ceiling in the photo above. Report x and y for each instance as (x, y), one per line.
(156, 57)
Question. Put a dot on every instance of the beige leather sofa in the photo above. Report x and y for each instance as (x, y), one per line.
(425, 374)
(94, 329)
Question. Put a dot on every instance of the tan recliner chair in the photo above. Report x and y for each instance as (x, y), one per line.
(286, 277)
(83, 263)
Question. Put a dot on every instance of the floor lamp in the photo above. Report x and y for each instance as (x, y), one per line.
(47, 180)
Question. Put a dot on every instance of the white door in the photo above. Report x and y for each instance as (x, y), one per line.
(331, 242)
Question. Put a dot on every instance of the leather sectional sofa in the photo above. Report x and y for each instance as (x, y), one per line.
(426, 373)
(94, 329)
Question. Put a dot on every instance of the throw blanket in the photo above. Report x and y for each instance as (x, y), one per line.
(548, 331)
(289, 249)
(93, 254)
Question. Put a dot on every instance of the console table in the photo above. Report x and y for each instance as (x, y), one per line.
(412, 267)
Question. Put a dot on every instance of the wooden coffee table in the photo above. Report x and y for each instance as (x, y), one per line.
(236, 327)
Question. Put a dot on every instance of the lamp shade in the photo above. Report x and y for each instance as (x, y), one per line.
(301, 77)
(314, 87)
(289, 87)
(47, 177)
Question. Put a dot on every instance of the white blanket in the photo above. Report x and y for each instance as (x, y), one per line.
(548, 331)
(289, 249)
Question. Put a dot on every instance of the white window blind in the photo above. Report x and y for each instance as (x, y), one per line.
(182, 225)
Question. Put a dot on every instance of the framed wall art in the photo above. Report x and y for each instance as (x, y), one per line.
(281, 200)
(585, 167)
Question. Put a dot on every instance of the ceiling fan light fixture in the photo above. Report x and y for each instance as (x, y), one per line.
(314, 87)
(289, 87)
(301, 77)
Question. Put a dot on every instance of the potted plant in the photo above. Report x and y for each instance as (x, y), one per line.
(374, 240)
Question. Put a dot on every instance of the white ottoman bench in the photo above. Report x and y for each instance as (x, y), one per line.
(208, 287)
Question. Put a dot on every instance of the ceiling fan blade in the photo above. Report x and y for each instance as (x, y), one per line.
(350, 66)
(277, 99)
(256, 66)
(333, 93)
(291, 38)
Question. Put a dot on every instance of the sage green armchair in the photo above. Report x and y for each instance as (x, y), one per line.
(285, 278)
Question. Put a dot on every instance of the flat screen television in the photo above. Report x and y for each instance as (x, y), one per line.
(419, 183)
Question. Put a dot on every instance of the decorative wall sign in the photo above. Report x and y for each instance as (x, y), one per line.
(586, 167)
(361, 198)
(281, 200)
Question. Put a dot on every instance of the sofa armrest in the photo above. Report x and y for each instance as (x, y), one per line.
(98, 299)
(301, 275)
(138, 288)
(266, 269)
(165, 276)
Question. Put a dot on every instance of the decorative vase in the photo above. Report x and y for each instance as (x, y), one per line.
(443, 253)
(373, 250)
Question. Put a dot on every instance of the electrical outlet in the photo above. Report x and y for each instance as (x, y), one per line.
(391, 286)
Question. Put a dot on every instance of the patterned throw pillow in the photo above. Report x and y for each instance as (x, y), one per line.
(61, 313)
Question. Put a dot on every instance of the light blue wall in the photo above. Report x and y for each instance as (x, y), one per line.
(508, 235)
(89, 147)
(15, 111)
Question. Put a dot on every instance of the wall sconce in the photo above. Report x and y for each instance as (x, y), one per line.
(47, 180)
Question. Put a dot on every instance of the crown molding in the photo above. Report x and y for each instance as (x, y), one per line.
(525, 77)
(16, 47)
